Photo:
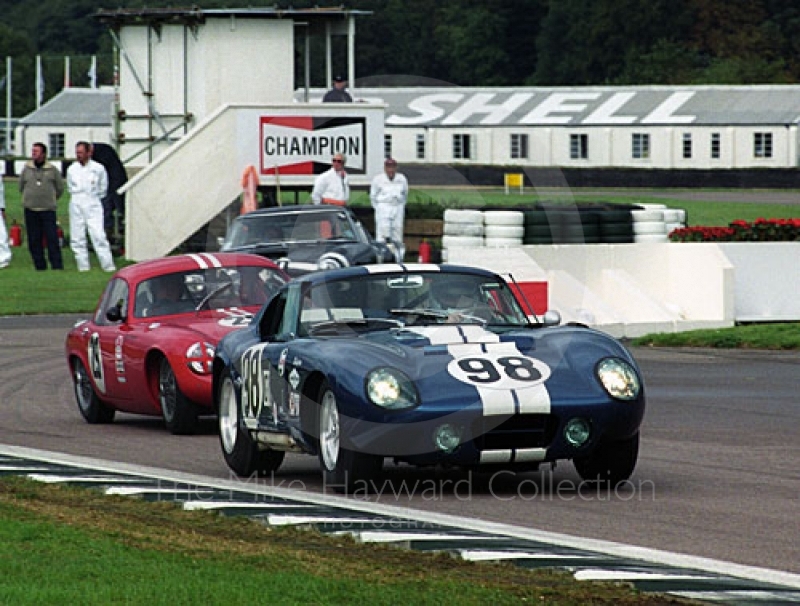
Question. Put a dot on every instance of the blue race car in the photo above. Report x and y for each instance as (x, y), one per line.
(427, 365)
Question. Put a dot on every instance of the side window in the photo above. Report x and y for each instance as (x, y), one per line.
(272, 317)
(116, 294)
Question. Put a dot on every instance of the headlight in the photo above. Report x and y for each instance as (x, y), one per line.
(619, 379)
(200, 357)
(332, 261)
(391, 389)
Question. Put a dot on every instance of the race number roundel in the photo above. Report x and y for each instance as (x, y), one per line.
(499, 371)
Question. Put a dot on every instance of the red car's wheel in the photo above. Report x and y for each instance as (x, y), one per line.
(93, 409)
(180, 414)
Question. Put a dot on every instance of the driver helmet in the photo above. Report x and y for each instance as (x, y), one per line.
(455, 292)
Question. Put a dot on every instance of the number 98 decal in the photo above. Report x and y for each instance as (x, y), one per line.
(499, 371)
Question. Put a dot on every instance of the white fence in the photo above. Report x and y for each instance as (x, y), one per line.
(629, 290)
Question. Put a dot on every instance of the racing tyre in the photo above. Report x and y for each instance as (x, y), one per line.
(91, 406)
(240, 451)
(180, 414)
(611, 463)
(343, 469)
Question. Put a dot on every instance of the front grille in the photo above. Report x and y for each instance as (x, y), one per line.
(516, 431)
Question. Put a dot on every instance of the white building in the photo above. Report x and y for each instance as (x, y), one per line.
(675, 127)
(664, 127)
(74, 114)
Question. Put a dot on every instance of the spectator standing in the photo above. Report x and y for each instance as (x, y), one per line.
(332, 186)
(388, 194)
(338, 94)
(5, 250)
(41, 186)
(87, 181)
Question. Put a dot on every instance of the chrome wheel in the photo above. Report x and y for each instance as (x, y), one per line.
(329, 437)
(84, 393)
(228, 416)
(180, 415)
(92, 408)
(167, 391)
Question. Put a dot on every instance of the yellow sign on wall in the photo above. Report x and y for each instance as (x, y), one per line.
(514, 180)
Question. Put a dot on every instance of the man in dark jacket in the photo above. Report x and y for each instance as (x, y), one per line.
(338, 94)
(41, 185)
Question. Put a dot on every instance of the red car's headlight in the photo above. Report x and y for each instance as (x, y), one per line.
(200, 358)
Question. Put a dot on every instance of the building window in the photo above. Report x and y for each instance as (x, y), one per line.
(56, 145)
(579, 147)
(420, 146)
(762, 145)
(641, 145)
(461, 147)
(387, 146)
(519, 146)
(687, 145)
(715, 145)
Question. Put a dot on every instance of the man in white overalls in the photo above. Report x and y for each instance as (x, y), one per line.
(388, 194)
(87, 182)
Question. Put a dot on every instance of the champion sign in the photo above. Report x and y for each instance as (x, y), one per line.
(304, 145)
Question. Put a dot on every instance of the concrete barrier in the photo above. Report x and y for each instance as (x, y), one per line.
(629, 290)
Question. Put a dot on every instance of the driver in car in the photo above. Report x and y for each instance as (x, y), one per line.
(460, 298)
(168, 296)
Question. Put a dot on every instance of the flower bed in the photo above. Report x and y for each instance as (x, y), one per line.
(760, 230)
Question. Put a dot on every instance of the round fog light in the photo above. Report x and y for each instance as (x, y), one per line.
(446, 437)
(577, 432)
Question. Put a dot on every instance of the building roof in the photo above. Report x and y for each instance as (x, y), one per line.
(194, 15)
(588, 106)
(74, 107)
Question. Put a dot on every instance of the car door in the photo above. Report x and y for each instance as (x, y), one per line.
(105, 337)
(265, 391)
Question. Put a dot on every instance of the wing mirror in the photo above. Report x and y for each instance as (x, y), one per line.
(114, 314)
(551, 318)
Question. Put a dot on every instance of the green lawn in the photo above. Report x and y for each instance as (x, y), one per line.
(66, 545)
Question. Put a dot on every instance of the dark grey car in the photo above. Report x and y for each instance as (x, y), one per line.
(305, 238)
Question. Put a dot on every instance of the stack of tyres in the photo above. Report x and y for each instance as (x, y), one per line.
(462, 228)
(503, 228)
(537, 227)
(648, 223)
(565, 225)
(615, 226)
(674, 218)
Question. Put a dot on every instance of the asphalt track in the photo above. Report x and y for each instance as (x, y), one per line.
(718, 474)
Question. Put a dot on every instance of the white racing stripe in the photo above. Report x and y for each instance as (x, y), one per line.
(384, 268)
(212, 259)
(497, 402)
(535, 400)
(205, 260)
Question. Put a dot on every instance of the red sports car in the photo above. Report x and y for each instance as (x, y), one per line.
(149, 347)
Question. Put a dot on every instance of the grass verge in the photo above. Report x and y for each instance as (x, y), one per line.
(70, 545)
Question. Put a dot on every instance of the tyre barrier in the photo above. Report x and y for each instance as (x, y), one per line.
(462, 227)
(560, 224)
(503, 228)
